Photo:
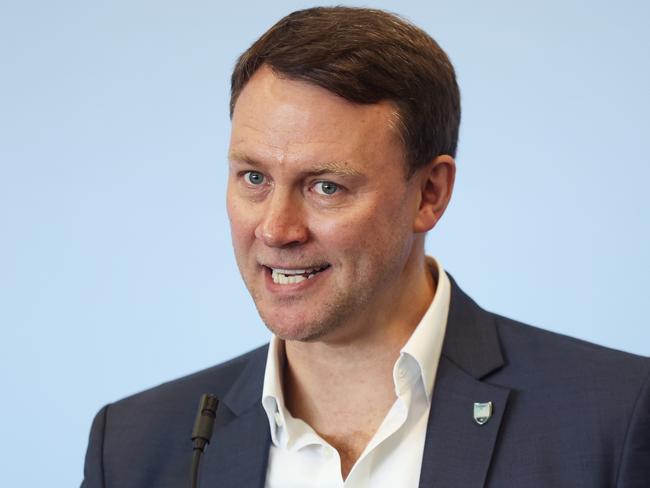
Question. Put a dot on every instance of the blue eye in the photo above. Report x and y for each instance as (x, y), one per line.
(326, 187)
(254, 177)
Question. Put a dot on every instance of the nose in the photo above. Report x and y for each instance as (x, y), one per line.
(282, 223)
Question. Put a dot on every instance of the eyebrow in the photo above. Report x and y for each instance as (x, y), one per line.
(341, 168)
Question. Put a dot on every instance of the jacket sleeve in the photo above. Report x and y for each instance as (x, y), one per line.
(635, 463)
(94, 464)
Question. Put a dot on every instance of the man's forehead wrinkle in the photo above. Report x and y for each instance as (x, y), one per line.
(313, 166)
(283, 139)
(336, 167)
(318, 154)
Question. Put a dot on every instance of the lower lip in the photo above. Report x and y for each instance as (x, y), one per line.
(292, 288)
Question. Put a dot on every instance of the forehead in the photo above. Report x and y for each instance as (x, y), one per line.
(282, 119)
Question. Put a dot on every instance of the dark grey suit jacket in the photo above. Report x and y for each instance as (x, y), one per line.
(566, 414)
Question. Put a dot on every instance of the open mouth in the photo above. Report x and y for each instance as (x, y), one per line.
(282, 276)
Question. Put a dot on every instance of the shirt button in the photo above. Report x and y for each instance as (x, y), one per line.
(278, 419)
(402, 373)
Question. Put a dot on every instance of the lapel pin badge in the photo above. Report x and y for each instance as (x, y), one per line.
(482, 412)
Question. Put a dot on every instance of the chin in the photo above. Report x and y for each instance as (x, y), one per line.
(297, 329)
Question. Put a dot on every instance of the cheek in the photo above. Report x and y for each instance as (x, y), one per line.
(341, 230)
(242, 222)
(370, 234)
(349, 234)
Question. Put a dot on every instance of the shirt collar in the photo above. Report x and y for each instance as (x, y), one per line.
(423, 347)
(272, 394)
(425, 344)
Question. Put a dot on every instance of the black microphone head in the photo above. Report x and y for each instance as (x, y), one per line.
(209, 404)
(202, 432)
(204, 422)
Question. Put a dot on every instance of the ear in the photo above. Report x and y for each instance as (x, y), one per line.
(436, 182)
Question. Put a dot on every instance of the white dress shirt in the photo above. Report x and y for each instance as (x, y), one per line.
(300, 458)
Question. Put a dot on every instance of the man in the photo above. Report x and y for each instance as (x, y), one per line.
(381, 371)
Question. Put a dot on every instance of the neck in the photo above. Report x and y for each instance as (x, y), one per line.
(342, 384)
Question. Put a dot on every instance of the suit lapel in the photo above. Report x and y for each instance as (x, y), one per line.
(238, 453)
(457, 450)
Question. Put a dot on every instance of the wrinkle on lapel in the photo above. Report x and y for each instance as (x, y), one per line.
(457, 451)
(238, 453)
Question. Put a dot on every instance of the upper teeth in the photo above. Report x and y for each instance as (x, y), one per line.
(292, 271)
(286, 276)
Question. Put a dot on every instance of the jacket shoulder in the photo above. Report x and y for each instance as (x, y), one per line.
(571, 385)
(535, 349)
(144, 439)
(216, 380)
(574, 408)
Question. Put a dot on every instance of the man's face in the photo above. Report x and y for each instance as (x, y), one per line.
(320, 209)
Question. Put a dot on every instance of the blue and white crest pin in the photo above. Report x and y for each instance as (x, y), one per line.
(482, 412)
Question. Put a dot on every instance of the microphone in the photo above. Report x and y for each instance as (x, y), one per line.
(202, 432)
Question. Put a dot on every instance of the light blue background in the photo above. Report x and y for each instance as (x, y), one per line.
(116, 271)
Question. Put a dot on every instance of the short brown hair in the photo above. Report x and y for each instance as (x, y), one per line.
(366, 56)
